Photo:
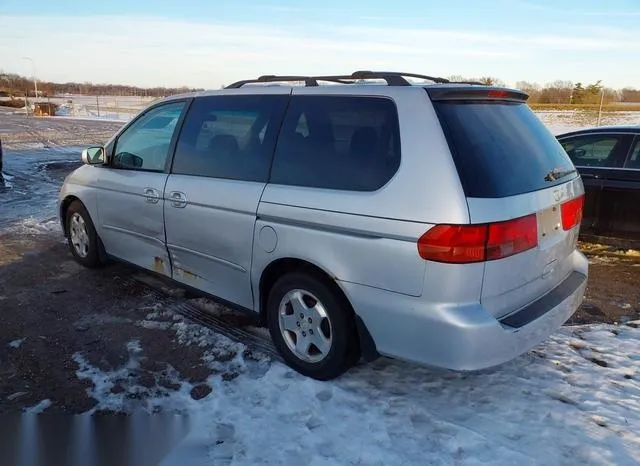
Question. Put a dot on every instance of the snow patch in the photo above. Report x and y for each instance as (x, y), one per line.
(562, 121)
(16, 395)
(16, 343)
(118, 390)
(39, 408)
(32, 225)
(152, 324)
(157, 311)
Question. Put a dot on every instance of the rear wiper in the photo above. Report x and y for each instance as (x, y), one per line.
(556, 174)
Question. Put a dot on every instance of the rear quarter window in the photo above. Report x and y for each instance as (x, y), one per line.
(338, 142)
(501, 149)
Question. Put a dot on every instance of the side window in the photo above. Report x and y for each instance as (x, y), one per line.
(145, 144)
(634, 160)
(594, 151)
(336, 142)
(230, 137)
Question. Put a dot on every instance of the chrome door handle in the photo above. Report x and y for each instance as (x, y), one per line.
(152, 196)
(178, 199)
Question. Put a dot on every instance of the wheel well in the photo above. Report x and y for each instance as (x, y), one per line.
(64, 206)
(280, 267)
(366, 345)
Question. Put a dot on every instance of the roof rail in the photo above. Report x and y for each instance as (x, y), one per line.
(393, 78)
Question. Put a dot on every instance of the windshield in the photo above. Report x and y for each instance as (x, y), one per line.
(501, 148)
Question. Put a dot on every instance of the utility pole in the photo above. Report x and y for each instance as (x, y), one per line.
(98, 105)
(35, 82)
(601, 102)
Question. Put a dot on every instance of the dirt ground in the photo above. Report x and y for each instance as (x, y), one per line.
(17, 131)
(613, 290)
(52, 309)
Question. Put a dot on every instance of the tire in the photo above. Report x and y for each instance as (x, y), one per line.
(331, 321)
(89, 250)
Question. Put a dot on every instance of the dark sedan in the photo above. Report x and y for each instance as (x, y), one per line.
(608, 159)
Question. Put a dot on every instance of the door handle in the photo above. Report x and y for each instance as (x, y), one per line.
(152, 196)
(178, 199)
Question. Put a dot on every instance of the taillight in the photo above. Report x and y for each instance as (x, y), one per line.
(459, 244)
(571, 212)
(511, 237)
(454, 243)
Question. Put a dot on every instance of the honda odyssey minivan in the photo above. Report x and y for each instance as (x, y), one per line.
(430, 221)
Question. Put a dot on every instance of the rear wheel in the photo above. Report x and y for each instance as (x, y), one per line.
(311, 326)
(82, 237)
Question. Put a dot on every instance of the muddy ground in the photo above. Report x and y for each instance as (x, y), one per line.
(53, 309)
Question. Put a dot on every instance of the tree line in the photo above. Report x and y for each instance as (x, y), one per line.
(14, 85)
(566, 92)
(556, 92)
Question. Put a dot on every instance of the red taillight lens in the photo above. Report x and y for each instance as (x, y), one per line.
(511, 237)
(459, 244)
(571, 212)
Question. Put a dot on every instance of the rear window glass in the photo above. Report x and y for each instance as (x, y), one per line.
(501, 149)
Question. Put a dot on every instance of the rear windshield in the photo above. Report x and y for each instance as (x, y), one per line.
(501, 148)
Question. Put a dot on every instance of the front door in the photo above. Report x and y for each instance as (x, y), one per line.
(131, 189)
(220, 168)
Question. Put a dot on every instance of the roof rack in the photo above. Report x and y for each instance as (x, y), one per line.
(393, 78)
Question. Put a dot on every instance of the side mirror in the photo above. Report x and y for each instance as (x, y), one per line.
(127, 160)
(93, 156)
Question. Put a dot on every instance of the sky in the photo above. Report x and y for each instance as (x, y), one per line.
(209, 43)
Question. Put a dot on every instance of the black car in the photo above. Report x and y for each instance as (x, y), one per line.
(608, 159)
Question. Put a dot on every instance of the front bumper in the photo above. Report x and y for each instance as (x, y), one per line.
(463, 336)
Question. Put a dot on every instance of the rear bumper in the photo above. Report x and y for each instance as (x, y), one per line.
(463, 336)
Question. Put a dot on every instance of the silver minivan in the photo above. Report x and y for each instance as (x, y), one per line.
(358, 215)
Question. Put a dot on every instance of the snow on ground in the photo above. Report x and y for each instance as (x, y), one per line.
(561, 121)
(85, 112)
(115, 108)
(40, 407)
(33, 226)
(573, 400)
(128, 394)
(16, 343)
(557, 405)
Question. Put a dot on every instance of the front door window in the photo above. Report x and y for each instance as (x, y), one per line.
(145, 144)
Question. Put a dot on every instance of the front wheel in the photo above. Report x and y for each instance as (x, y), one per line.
(82, 237)
(312, 326)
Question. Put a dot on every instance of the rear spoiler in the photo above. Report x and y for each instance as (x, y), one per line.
(474, 93)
